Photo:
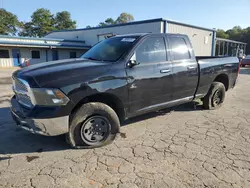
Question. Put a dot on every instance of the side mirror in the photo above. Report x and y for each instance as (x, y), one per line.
(132, 62)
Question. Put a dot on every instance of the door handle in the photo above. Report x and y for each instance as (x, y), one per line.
(191, 67)
(165, 71)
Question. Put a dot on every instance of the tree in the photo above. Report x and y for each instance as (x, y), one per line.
(236, 33)
(63, 21)
(8, 23)
(108, 21)
(220, 33)
(27, 29)
(42, 22)
(125, 18)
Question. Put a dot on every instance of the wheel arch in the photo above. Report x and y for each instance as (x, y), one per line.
(109, 99)
(224, 79)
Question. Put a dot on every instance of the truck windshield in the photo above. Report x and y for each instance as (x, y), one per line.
(111, 49)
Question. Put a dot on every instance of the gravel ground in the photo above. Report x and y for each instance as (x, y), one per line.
(182, 148)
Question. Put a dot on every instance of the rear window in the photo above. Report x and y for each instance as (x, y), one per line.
(179, 48)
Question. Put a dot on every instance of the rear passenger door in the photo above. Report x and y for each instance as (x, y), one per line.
(146, 80)
(185, 67)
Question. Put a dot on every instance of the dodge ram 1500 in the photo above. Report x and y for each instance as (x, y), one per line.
(119, 78)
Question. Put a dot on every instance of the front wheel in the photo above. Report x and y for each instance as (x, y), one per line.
(215, 96)
(93, 125)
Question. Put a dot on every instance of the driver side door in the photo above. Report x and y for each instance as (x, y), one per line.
(149, 76)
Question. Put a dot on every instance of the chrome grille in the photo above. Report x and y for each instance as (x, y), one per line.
(24, 100)
(19, 85)
(22, 91)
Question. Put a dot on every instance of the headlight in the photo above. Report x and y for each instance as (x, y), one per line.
(49, 97)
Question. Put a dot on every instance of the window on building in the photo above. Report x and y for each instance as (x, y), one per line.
(179, 48)
(35, 54)
(152, 50)
(4, 54)
(55, 55)
(72, 54)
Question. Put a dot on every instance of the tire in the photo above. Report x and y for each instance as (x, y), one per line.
(84, 131)
(215, 96)
(243, 65)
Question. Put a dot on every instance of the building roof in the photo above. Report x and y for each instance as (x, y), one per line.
(189, 25)
(232, 41)
(135, 23)
(6, 40)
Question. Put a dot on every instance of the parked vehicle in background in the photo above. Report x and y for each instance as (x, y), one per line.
(245, 61)
(119, 78)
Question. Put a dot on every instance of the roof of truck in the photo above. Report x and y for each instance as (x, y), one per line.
(144, 34)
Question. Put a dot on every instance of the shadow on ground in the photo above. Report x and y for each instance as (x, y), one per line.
(245, 70)
(14, 140)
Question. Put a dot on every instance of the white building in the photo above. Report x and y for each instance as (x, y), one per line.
(203, 39)
(15, 50)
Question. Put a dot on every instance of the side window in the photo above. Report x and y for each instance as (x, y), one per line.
(35, 54)
(179, 48)
(151, 50)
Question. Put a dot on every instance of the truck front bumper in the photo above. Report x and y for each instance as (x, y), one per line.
(46, 126)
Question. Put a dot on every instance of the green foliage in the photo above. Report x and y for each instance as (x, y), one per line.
(43, 22)
(108, 21)
(8, 23)
(236, 33)
(220, 33)
(63, 21)
(123, 18)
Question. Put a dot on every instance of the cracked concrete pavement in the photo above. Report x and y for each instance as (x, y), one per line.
(182, 148)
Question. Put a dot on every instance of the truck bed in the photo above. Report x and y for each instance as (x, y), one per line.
(210, 66)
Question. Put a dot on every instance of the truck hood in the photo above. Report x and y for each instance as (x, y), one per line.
(56, 74)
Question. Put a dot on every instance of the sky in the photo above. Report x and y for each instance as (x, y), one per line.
(219, 14)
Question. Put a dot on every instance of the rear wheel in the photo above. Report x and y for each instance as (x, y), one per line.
(215, 96)
(93, 125)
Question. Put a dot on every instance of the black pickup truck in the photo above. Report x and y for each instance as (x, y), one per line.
(121, 77)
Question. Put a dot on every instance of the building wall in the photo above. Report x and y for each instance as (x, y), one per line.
(202, 40)
(92, 36)
(25, 53)
(65, 54)
(6, 62)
